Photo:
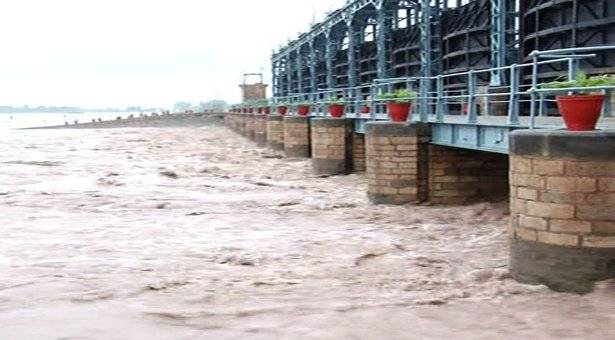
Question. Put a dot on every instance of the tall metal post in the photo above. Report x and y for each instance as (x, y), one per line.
(289, 73)
(426, 60)
(299, 69)
(352, 55)
(383, 29)
(313, 66)
(498, 41)
(329, 58)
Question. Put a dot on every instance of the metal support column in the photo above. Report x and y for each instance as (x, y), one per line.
(352, 55)
(498, 41)
(289, 74)
(299, 69)
(383, 29)
(426, 61)
(329, 58)
(313, 66)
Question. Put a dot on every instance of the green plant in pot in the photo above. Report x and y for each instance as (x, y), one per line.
(581, 110)
(336, 107)
(399, 104)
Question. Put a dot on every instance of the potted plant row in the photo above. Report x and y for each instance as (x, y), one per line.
(581, 109)
(399, 104)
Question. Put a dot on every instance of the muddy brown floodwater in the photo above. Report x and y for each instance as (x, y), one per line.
(194, 233)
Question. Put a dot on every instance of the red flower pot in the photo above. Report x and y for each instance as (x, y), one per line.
(399, 112)
(303, 110)
(266, 110)
(260, 110)
(365, 109)
(250, 110)
(581, 112)
(282, 110)
(336, 110)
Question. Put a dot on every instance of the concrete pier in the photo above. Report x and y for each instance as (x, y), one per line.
(331, 146)
(563, 208)
(297, 139)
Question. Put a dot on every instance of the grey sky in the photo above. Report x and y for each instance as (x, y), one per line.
(99, 53)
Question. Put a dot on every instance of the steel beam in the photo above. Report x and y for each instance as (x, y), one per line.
(329, 44)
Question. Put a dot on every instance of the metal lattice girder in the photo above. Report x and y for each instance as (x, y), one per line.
(498, 40)
(352, 52)
(383, 32)
(329, 45)
(313, 63)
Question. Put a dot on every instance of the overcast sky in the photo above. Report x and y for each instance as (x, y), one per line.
(109, 53)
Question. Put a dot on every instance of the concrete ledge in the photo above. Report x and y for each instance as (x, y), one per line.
(390, 129)
(564, 269)
(563, 144)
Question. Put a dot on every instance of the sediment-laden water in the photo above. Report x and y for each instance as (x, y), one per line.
(194, 233)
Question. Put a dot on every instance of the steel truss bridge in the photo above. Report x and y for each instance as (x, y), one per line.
(476, 65)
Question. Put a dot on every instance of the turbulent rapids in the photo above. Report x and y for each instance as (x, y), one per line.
(184, 233)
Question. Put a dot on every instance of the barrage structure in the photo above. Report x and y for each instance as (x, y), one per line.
(484, 128)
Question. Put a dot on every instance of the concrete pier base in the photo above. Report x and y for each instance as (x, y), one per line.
(297, 137)
(563, 208)
(331, 146)
(260, 130)
(396, 162)
(275, 132)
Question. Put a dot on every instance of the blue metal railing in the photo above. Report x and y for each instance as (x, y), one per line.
(434, 101)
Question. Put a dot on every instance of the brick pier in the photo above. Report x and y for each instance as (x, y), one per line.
(563, 208)
(331, 146)
(275, 132)
(297, 141)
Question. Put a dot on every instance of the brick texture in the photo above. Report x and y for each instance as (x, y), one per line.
(331, 146)
(297, 137)
(260, 129)
(396, 166)
(275, 132)
(358, 153)
(460, 176)
(563, 202)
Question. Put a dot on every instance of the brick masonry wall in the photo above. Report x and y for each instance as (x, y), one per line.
(260, 130)
(460, 176)
(331, 145)
(396, 162)
(275, 132)
(250, 131)
(562, 208)
(564, 202)
(358, 153)
(297, 137)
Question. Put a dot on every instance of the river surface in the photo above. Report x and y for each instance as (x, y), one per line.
(27, 120)
(194, 233)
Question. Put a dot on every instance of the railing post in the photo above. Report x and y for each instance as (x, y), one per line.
(607, 108)
(513, 105)
(472, 115)
(440, 102)
(533, 90)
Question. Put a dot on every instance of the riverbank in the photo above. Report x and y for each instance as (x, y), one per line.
(151, 121)
(194, 232)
